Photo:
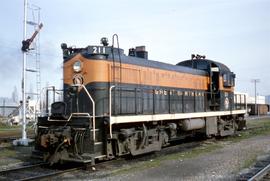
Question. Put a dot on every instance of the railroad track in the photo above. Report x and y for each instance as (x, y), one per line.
(7, 139)
(262, 175)
(257, 117)
(260, 171)
(35, 172)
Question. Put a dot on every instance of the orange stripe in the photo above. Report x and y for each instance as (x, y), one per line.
(102, 71)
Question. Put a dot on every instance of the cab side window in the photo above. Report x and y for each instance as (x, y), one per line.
(228, 79)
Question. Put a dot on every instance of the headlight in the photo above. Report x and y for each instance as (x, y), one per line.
(77, 66)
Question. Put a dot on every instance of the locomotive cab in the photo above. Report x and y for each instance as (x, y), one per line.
(221, 82)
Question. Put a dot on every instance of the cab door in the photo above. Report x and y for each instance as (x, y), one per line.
(214, 102)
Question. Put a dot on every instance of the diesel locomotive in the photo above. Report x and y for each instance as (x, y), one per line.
(116, 104)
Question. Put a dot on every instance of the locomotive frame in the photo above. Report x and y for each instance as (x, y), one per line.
(116, 104)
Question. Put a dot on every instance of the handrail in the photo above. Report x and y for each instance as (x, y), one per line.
(93, 109)
(110, 108)
(72, 114)
(240, 103)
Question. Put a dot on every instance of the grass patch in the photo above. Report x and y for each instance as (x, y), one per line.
(9, 132)
(10, 129)
(250, 161)
(8, 156)
(259, 122)
(4, 153)
(14, 131)
(4, 126)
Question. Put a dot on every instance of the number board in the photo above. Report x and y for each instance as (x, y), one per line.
(98, 50)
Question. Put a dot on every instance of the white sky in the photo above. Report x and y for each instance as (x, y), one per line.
(234, 32)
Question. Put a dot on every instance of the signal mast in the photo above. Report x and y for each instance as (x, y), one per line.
(25, 48)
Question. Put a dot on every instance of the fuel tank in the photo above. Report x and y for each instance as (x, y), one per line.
(192, 124)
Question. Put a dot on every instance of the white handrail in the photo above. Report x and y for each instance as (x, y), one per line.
(72, 114)
(94, 112)
(93, 109)
(110, 108)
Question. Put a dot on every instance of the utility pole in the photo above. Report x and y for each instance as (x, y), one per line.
(255, 81)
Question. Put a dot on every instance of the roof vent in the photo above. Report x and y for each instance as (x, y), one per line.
(139, 51)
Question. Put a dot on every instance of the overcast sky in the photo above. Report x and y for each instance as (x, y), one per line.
(234, 32)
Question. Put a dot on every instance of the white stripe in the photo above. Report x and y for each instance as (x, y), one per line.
(158, 117)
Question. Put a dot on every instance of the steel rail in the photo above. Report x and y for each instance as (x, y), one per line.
(22, 168)
(48, 175)
(39, 176)
(260, 174)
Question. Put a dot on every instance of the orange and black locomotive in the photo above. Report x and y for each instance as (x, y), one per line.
(116, 104)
